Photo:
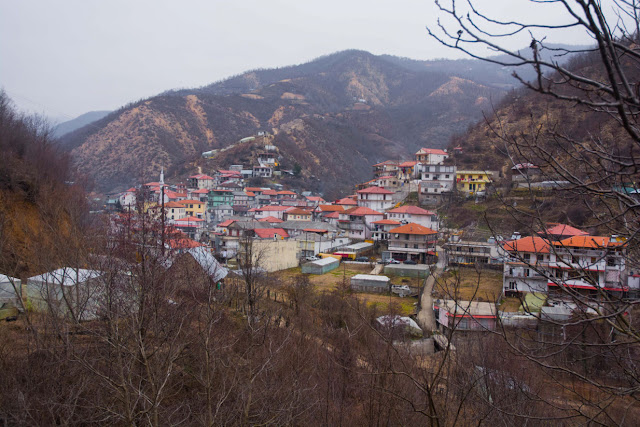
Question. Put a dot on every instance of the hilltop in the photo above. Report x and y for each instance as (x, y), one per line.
(334, 116)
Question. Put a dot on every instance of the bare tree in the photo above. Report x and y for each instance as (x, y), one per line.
(590, 156)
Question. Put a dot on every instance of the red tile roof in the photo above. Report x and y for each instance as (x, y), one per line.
(360, 211)
(594, 242)
(387, 222)
(268, 233)
(333, 215)
(270, 192)
(527, 244)
(375, 190)
(200, 191)
(271, 219)
(173, 205)
(315, 230)
(565, 230)
(331, 208)
(413, 210)
(346, 201)
(186, 202)
(412, 228)
(431, 151)
(200, 176)
(408, 164)
(226, 223)
(250, 193)
(286, 193)
(315, 199)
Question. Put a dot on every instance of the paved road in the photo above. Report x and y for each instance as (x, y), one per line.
(426, 318)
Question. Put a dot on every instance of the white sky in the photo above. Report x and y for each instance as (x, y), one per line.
(63, 58)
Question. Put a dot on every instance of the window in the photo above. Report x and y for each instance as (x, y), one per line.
(526, 257)
(527, 273)
(446, 176)
(513, 286)
(611, 262)
(415, 246)
(406, 245)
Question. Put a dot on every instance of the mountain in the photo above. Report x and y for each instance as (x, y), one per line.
(334, 116)
(80, 121)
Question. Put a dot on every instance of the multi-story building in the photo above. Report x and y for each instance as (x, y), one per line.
(358, 222)
(388, 167)
(473, 182)
(585, 264)
(431, 156)
(382, 228)
(406, 214)
(412, 242)
(376, 198)
(194, 208)
(219, 197)
(436, 182)
(201, 181)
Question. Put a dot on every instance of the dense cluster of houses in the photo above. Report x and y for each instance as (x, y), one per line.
(223, 211)
(548, 271)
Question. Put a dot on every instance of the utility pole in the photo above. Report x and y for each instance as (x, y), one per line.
(162, 205)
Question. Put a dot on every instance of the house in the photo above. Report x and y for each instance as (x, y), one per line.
(406, 214)
(195, 208)
(221, 211)
(190, 226)
(376, 198)
(269, 210)
(388, 167)
(436, 183)
(431, 156)
(298, 227)
(474, 247)
(201, 181)
(285, 194)
(218, 196)
(199, 194)
(389, 182)
(526, 265)
(466, 315)
(270, 233)
(407, 171)
(295, 214)
(67, 291)
(271, 220)
(263, 170)
(471, 182)
(175, 210)
(562, 231)
(588, 263)
(523, 173)
(358, 222)
(412, 242)
(267, 158)
(382, 228)
(346, 201)
(128, 199)
(271, 255)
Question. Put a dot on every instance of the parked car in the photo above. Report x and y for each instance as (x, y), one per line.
(362, 259)
(401, 288)
(394, 261)
(312, 258)
(409, 262)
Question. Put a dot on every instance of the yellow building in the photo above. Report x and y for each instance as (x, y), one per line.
(472, 182)
(194, 208)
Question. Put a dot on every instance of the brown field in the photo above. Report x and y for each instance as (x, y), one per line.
(467, 284)
(330, 281)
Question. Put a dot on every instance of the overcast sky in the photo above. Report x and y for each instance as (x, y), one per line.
(66, 57)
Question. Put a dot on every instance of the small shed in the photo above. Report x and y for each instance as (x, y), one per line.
(406, 270)
(8, 288)
(370, 283)
(320, 266)
(67, 290)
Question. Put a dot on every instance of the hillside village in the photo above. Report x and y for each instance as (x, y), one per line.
(389, 235)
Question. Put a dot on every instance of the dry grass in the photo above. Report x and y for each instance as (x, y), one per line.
(469, 285)
(330, 281)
